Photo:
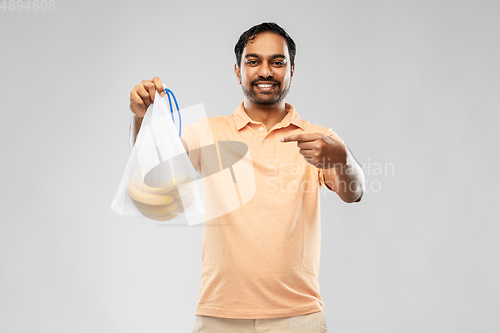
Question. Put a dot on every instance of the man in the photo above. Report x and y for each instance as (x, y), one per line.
(261, 264)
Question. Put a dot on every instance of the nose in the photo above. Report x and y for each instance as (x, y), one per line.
(265, 70)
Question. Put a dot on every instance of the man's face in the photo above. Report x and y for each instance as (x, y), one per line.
(264, 62)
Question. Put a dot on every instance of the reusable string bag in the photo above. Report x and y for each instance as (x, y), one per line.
(159, 181)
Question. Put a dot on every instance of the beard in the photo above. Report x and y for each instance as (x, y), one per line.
(266, 99)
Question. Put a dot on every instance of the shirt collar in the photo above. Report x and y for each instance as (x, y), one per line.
(292, 117)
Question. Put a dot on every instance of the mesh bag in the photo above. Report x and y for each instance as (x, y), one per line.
(159, 181)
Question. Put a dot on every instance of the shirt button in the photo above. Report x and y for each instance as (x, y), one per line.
(261, 129)
(265, 140)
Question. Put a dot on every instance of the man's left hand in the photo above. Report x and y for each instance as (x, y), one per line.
(319, 150)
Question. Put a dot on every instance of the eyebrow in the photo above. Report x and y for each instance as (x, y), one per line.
(255, 55)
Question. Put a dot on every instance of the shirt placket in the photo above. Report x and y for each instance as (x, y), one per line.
(265, 137)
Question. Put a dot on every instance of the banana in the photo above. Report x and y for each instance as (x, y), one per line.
(139, 184)
(164, 217)
(153, 202)
(138, 195)
(155, 210)
(178, 210)
(175, 194)
(172, 183)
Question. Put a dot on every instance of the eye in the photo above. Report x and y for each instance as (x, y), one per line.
(279, 63)
(251, 62)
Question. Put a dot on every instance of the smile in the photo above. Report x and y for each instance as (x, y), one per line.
(265, 86)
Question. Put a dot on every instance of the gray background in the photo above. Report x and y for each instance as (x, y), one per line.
(408, 84)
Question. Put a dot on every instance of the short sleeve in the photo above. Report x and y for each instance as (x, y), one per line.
(189, 135)
(331, 134)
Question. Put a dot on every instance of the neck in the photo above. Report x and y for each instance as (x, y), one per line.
(268, 115)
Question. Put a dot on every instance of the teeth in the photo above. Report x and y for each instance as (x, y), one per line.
(265, 85)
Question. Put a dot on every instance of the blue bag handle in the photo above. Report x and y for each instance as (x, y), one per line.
(169, 92)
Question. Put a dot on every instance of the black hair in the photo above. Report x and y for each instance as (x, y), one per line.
(249, 35)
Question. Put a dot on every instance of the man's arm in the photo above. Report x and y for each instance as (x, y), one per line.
(342, 173)
(347, 178)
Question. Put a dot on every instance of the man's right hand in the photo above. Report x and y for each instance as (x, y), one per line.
(143, 95)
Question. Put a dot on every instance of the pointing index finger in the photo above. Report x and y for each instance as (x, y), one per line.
(302, 137)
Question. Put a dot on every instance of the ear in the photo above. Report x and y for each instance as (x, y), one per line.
(293, 70)
(237, 72)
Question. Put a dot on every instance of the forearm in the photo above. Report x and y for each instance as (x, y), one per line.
(347, 179)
